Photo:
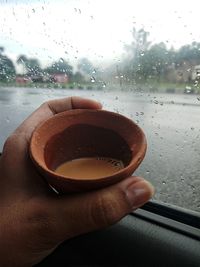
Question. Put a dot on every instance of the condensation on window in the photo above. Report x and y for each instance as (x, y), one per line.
(140, 61)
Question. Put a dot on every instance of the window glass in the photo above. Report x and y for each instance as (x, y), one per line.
(139, 58)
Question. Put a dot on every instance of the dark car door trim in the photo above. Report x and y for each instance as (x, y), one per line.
(183, 221)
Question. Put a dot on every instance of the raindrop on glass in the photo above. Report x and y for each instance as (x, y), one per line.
(195, 83)
(7, 120)
(104, 84)
(92, 79)
(188, 88)
(198, 98)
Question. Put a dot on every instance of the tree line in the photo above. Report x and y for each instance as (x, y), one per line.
(147, 60)
(144, 60)
(31, 68)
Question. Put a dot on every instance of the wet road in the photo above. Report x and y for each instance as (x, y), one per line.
(171, 124)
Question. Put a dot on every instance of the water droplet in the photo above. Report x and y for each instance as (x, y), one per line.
(192, 128)
(104, 84)
(142, 113)
(94, 71)
(142, 54)
(7, 120)
(92, 79)
(137, 113)
(147, 172)
(33, 10)
(61, 60)
(198, 98)
(163, 182)
(116, 98)
(188, 88)
(155, 102)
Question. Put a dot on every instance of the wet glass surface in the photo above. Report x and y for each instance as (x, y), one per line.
(140, 59)
(171, 125)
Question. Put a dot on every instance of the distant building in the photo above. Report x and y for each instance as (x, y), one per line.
(181, 73)
(22, 80)
(59, 78)
(184, 72)
(196, 72)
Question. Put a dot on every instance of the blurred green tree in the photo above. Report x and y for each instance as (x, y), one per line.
(7, 68)
(86, 67)
(60, 67)
(31, 67)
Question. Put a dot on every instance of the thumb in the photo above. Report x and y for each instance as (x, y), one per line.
(86, 212)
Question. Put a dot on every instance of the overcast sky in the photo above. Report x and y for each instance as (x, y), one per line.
(96, 29)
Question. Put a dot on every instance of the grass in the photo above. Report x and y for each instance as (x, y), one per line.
(149, 86)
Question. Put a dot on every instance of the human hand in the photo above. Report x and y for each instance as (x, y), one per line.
(35, 220)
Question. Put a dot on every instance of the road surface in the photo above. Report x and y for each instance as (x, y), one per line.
(171, 123)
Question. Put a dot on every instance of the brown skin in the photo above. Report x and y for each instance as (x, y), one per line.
(34, 220)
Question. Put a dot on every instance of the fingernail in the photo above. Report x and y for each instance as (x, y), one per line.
(139, 193)
(100, 105)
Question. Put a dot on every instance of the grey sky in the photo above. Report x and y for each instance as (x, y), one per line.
(97, 29)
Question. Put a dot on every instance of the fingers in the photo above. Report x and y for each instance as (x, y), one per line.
(87, 212)
(16, 148)
(60, 105)
(19, 140)
(52, 107)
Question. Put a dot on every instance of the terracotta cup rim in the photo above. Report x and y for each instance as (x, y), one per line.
(133, 164)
